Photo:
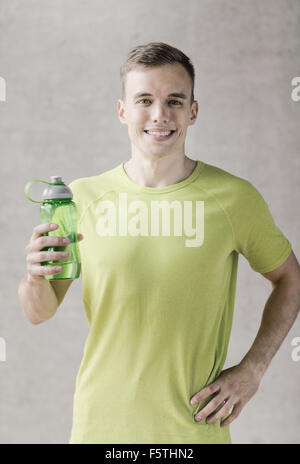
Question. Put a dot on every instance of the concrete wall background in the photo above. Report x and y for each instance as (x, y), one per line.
(60, 61)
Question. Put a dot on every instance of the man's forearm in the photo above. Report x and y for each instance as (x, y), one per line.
(279, 314)
(37, 299)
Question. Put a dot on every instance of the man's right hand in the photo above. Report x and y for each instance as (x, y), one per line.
(38, 241)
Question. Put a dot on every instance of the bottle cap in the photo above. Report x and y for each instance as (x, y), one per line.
(56, 189)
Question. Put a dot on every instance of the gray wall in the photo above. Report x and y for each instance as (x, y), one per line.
(61, 60)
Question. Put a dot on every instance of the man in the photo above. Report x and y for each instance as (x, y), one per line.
(162, 233)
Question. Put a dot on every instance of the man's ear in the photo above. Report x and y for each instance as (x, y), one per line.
(194, 112)
(121, 111)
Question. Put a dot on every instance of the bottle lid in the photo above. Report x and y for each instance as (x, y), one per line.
(55, 179)
(56, 189)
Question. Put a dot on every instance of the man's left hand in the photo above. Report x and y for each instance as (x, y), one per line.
(235, 386)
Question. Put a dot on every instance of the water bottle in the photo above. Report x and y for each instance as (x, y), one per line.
(58, 207)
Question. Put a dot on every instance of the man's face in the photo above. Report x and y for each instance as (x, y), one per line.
(158, 111)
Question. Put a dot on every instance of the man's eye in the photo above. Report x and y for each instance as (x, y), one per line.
(146, 99)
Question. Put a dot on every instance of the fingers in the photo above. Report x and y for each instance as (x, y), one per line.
(37, 252)
(38, 257)
(41, 229)
(35, 272)
(234, 414)
(210, 407)
(204, 393)
(225, 409)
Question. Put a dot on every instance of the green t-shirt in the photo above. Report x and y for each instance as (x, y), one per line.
(159, 270)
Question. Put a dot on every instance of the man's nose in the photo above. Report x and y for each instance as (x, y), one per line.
(160, 112)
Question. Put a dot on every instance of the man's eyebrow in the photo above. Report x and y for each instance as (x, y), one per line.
(174, 94)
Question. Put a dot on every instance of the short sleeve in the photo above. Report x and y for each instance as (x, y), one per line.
(256, 236)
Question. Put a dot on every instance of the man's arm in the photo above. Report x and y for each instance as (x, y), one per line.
(236, 385)
(39, 298)
(279, 314)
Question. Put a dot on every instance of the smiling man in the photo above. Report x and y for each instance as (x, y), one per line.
(162, 236)
(158, 108)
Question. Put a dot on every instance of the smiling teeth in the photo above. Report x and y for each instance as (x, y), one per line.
(159, 133)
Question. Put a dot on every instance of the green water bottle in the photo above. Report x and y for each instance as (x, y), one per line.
(58, 207)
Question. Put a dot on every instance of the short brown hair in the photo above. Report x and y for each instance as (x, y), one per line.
(156, 54)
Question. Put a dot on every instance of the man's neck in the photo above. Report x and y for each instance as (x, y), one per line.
(159, 173)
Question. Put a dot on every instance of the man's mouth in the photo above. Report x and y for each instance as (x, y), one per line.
(160, 135)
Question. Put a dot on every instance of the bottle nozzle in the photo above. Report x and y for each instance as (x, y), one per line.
(56, 179)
